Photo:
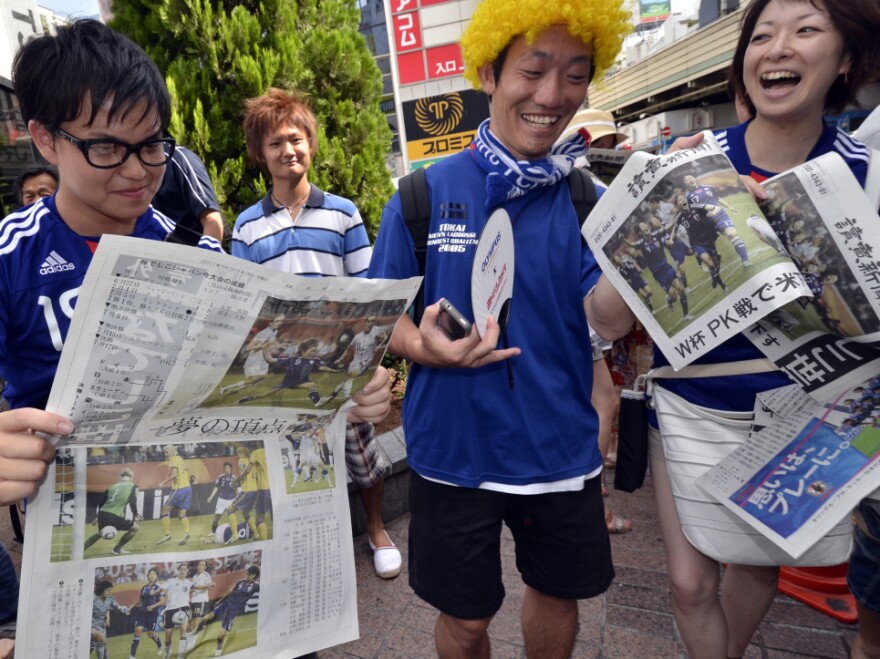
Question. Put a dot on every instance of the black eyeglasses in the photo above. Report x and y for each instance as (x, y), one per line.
(107, 154)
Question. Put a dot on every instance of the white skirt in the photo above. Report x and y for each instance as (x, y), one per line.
(692, 440)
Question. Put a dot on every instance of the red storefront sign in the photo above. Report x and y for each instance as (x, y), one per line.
(444, 61)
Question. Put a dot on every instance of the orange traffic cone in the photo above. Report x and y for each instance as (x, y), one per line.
(823, 588)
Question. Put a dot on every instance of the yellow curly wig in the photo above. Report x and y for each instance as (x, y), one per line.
(495, 23)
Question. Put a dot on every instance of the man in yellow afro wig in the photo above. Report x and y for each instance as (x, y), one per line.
(496, 23)
(485, 453)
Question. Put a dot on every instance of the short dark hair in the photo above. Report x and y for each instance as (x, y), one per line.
(227, 464)
(498, 64)
(308, 344)
(254, 570)
(53, 74)
(30, 172)
(103, 585)
(857, 21)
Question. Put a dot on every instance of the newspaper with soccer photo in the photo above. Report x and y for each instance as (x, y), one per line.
(819, 455)
(798, 478)
(686, 245)
(607, 163)
(680, 237)
(822, 218)
(200, 507)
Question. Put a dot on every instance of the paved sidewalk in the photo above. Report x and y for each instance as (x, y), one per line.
(633, 619)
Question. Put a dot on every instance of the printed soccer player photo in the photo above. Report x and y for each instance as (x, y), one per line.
(118, 514)
(309, 463)
(248, 514)
(195, 607)
(645, 245)
(231, 623)
(107, 614)
(163, 497)
(838, 305)
(310, 355)
(695, 238)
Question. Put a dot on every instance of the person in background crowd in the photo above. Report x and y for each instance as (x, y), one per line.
(36, 182)
(601, 127)
(603, 131)
(606, 401)
(300, 229)
(187, 195)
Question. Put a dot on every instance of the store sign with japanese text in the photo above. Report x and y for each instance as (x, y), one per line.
(419, 57)
(438, 126)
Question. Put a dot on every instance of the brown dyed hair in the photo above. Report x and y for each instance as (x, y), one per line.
(858, 22)
(265, 113)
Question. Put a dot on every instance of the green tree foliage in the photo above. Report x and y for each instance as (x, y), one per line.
(216, 54)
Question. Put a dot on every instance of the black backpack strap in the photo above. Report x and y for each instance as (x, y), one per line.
(17, 529)
(583, 192)
(183, 236)
(416, 209)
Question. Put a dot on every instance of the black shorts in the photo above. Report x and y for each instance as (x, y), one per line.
(199, 609)
(562, 545)
(109, 519)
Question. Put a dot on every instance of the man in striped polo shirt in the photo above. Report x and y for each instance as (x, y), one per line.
(300, 229)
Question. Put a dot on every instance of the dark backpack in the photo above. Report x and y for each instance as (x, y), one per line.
(416, 209)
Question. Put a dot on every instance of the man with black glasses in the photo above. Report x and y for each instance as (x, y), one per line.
(97, 109)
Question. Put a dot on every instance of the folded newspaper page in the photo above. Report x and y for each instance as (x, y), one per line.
(801, 476)
(820, 215)
(784, 401)
(780, 403)
(200, 508)
(607, 163)
(680, 238)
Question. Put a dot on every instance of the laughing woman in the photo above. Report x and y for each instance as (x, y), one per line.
(795, 61)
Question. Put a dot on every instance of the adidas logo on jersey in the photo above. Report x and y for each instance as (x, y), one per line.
(55, 263)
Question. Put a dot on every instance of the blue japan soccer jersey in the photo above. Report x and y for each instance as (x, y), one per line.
(42, 266)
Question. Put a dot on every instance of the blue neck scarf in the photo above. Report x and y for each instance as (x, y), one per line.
(509, 179)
